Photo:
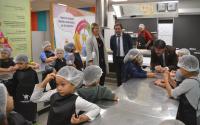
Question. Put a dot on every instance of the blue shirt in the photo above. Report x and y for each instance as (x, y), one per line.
(132, 70)
(45, 54)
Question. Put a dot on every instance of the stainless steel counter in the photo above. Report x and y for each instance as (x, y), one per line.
(141, 103)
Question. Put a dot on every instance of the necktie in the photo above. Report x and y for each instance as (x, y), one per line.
(118, 45)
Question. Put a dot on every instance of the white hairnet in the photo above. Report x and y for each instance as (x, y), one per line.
(3, 98)
(58, 50)
(69, 47)
(141, 26)
(91, 74)
(189, 62)
(6, 50)
(45, 44)
(71, 74)
(131, 55)
(182, 52)
(21, 58)
(172, 122)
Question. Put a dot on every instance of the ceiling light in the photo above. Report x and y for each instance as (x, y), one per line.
(117, 10)
(119, 0)
(61, 4)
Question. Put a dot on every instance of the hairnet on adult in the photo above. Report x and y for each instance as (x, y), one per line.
(91, 74)
(3, 98)
(131, 55)
(21, 58)
(69, 47)
(45, 44)
(172, 122)
(182, 52)
(141, 26)
(189, 62)
(6, 50)
(71, 74)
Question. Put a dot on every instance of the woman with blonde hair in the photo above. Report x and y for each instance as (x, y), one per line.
(96, 51)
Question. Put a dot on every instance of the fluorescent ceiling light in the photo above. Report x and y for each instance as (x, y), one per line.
(117, 10)
(119, 0)
(62, 4)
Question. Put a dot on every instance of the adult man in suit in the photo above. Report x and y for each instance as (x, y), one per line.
(120, 44)
(163, 57)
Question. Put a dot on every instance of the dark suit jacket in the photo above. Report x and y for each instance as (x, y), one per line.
(170, 58)
(127, 44)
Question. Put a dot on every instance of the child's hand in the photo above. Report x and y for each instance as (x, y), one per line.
(47, 79)
(160, 82)
(150, 75)
(50, 77)
(79, 119)
(158, 68)
(11, 69)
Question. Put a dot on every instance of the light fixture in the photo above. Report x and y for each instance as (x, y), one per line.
(119, 0)
(117, 10)
(61, 4)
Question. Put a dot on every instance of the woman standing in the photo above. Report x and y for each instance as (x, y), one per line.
(96, 51)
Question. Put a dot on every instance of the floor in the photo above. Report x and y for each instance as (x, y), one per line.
(42, 117)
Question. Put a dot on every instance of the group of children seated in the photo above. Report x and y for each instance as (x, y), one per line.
(75, 90)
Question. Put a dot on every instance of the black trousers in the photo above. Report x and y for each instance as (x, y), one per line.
(102, 79)
(118, 62)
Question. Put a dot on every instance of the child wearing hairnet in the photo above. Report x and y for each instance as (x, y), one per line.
(7, 67)
(73, 57)
(6, 62)
(188, 91)
(175, 77)
(92, 91)
(132, 66)
(47, 56)
(64, 104)
(60, 61)
(24, 80)
(8, 116)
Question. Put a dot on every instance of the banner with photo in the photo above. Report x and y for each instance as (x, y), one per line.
(71, 25)
(15, 26)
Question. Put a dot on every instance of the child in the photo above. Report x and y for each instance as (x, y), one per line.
(7, 67)
(64, 104)
(73, 58)
(60, 61)
(6, 62)
(8, 116)
(92, 91)
(24, 80)
(47, 56)
(132, 66)
(188, 91)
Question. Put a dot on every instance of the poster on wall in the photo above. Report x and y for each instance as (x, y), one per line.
(71, 25)
(15, 26)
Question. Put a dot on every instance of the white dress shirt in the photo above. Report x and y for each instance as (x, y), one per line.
(91, 110)
(121, 44)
